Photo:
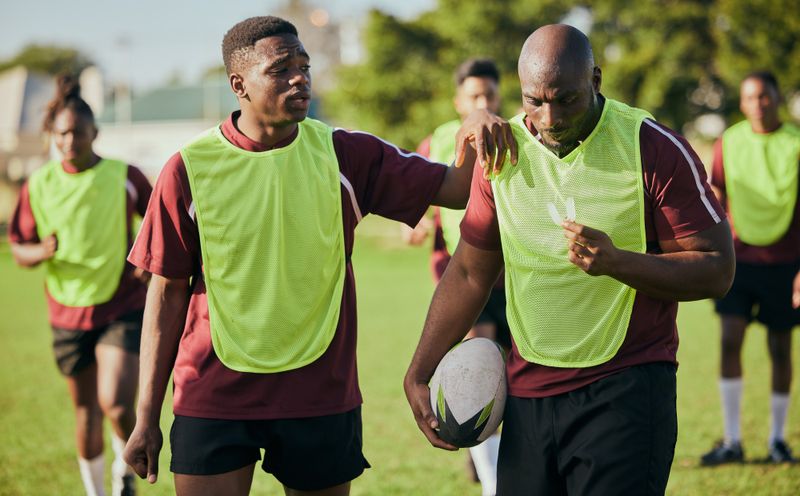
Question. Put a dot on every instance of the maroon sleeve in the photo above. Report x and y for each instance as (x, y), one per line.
(386, 180)
(717, 170)
(168, 243)
(22, 228)
(676, 183)
(479, 227)
(143, 189)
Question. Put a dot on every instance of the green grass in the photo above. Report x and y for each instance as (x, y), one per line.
(394, 288)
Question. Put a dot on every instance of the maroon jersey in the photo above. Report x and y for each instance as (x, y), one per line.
(440, 256)
(784, 251)
(130, 294)
(678, 203)
(376, 177)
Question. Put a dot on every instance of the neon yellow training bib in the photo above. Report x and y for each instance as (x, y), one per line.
(272, 244)
(443, 149)
(86, 210)
(559, 315)
(761, 180)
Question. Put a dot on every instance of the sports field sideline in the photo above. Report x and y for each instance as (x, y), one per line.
(394, 287)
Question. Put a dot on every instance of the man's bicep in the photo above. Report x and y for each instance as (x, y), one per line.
(715, 239)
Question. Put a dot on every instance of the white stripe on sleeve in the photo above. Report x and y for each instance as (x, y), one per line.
(693, 167)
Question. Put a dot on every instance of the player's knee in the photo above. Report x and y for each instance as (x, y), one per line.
(116, 412)
(88, 416)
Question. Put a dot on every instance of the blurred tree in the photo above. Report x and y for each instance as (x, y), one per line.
(657, 55)
(48, 59)
(678, 59)
(405, 86)
(755, 35)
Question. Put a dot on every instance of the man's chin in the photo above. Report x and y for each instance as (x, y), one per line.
(559, 148)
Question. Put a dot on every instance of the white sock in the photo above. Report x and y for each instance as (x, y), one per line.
(92, 475)
(780, 405)
(484, 456)
(731, 392)
(118, 468)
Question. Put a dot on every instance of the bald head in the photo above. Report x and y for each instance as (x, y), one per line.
(560, 86)
(553, 50)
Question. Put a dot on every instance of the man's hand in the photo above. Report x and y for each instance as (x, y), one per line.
(590, 249)
(490, 136)
(418, 395)
(418, 234)
(796, 291)
(142, 449)
(49, 246)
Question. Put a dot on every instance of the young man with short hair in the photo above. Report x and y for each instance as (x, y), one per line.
(252, 304)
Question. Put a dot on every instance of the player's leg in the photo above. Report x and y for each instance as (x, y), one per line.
(780, 352)
(735, 310)
(528, 460)
(730, 389)
(234, 483)
(490, 323)
(117, 354)
(777, 314)
(212, 456)
(316, 455)
(340, 490)
(617, 436)
(74, 352)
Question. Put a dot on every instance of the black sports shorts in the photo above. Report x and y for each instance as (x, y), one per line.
(615, 436)
(763, 293)
(74, 350)
(306, 454)
(495, 313)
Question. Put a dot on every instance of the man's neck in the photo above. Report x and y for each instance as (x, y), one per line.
(262, 132)
(81, 164)
(765, 126)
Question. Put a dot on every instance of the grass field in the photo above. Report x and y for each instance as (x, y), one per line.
(36, 441)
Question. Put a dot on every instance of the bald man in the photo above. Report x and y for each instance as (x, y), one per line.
(606, 222)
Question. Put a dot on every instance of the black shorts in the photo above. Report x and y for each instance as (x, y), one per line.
(495, 313)
(306, 454)
(763, 293)
(74, 350)
(615, 436)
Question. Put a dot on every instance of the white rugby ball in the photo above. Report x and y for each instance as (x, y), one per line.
(468, 392)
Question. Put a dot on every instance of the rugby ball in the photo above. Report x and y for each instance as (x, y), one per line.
(468, 392)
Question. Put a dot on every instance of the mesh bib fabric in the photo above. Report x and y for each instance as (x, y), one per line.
(443, 149)
(559, 315)
(272, 244)
(761, 180)
(86, 211)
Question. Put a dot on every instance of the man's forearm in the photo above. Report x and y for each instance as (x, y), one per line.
(458, 300)
(28, 254)
(164, 318)
(454, 192)
(682, 276)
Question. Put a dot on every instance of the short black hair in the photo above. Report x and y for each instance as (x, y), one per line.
(241, 38)
(766, 77)
(67, 97)
(482, 68)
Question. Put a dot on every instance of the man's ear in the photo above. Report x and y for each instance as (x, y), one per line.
(597, 79)
(237, 84)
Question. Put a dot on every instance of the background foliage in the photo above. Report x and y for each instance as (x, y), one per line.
(679, 59)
